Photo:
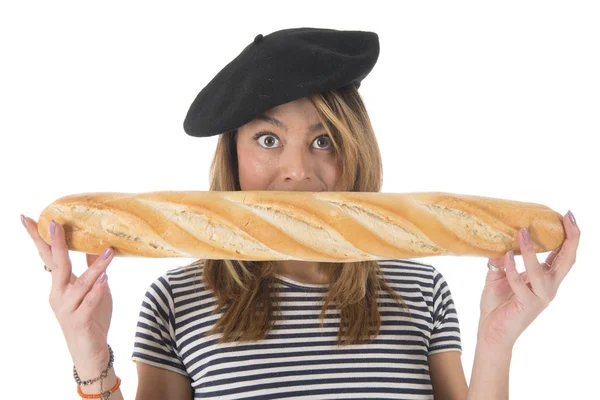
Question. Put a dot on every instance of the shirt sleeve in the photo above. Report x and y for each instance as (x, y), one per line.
(445, 335)
(154, 341)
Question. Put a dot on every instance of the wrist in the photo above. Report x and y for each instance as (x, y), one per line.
(99, 387)
(94, 376)
(492, 341)
(91, 369)
(493, 350)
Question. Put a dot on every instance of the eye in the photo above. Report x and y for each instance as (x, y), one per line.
(269, 142)
(260, 135)
(323, 138)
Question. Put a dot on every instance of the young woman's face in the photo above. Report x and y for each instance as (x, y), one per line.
(284, 149)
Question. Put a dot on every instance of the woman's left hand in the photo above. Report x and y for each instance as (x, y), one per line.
(512, 300)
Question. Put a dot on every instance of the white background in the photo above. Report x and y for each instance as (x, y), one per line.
(495, 99)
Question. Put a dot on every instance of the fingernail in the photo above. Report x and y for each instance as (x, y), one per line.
(511, 254)
(571, 217)
(23, 220)
(102, 277)
(52, 228)
(106, 254)
(525, 234)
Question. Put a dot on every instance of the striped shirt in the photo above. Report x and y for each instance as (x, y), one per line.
(299, 358)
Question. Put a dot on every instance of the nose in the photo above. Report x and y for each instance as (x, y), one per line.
(297, 165)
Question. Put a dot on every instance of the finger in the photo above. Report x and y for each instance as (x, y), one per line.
(535, 271)
(525, 278)
(92, 298)
(566, 257)
(62, 271)
(517, 284)
(90, 259)
(492, 276)
(86, 281)
(552, 256)
(44, 249)
(498, 261)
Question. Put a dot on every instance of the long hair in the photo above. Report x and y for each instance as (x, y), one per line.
(243, 288)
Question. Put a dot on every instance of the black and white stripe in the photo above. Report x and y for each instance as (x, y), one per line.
(299, 358)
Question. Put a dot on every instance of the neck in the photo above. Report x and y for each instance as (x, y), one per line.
(303, 271)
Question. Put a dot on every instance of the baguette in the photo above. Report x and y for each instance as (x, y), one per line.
(308, 226)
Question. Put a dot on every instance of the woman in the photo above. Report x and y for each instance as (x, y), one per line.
(232, 329)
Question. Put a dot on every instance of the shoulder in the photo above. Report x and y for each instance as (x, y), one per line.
(175, 280)
(184, 273)
(409, 269)
(408, 275)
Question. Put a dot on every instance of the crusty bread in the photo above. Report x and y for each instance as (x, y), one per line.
(308, 226)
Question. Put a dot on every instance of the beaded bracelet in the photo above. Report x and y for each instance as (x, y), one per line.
(103, 375)
(102, 395)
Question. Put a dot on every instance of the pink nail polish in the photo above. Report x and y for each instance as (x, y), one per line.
(106, 253)
(52, 228)
(571, 217)
(525, 234)
(101, 278)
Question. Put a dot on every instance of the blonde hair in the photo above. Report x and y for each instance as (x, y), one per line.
(245, 286)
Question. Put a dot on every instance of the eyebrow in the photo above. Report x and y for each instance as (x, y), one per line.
(281, 125)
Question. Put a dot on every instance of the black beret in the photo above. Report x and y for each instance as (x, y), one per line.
(278, 68)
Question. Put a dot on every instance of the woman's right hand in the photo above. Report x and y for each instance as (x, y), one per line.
(82, 305)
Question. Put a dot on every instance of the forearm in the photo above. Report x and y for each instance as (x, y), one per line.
(490, 375)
